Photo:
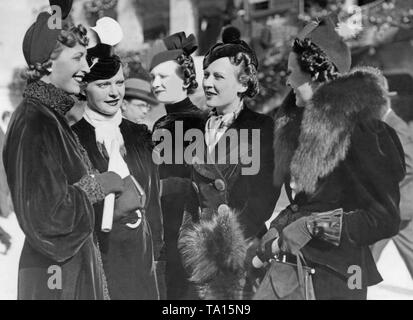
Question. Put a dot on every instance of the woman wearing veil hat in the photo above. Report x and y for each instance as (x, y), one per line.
(128, 249)
(52, 181)
(342, 166)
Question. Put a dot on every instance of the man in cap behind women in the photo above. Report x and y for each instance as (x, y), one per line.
(138, 99)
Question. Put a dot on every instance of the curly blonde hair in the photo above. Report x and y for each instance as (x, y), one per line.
(248, 74)
(69, 37)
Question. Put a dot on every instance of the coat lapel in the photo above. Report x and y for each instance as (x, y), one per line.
(219, 164)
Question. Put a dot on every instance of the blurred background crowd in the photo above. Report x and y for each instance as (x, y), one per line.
(381, 35)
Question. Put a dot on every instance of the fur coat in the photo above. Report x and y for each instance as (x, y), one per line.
(342, 157)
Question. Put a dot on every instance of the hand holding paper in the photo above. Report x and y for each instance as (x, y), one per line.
(117, 165)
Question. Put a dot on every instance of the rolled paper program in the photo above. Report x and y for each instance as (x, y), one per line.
(117, 165)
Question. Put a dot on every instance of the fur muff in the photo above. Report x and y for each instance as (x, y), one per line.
(328, 123)
(214, 252)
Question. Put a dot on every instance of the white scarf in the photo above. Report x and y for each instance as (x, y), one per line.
(217, 125)
(106, 128)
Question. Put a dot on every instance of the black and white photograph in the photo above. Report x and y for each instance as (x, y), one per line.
(218, 152)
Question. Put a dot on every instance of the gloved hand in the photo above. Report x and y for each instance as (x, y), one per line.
(131, 199)
(110, 182)
(295, 236)
(267, 249)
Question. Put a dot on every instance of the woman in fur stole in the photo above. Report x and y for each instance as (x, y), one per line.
(227, 208)
(341, 165)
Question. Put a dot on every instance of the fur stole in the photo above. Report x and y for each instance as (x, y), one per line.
(328, 123)
(214, 251)
(286, 133)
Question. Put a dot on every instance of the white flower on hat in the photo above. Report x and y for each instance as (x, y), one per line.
(109, 31)
(352, 24)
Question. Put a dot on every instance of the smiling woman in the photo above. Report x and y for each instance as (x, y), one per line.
(105, 96)
(52, 181)
(66, 65)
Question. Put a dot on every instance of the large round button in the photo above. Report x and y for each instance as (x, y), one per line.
(223, 209)
(219, 184)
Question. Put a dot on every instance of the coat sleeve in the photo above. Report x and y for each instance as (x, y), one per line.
(376, 166)
(155, 213)
(6, 206)
(55, 215)
(405, 134)
(262, 194)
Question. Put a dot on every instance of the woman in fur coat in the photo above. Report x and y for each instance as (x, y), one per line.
(342, 168)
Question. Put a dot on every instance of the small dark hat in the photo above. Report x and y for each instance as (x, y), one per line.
(40, 40)
(324, 35)
(230, 46)
(103, 63)
(171, 47)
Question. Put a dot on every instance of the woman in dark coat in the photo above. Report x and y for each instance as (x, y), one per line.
(343, 171)
(173, 78)
(231, 198)
(52, 182)
(128, 249)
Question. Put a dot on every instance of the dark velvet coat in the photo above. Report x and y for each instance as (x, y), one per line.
(174, 191)
(128, 254)
(43, 161)
(252, 196)
(228, 206)
(342, 157)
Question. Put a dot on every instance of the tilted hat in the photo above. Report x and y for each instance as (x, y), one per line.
(324, 35)
(171, 47)
(40, 40)
(103, 63)
(139, 89)
(230, 46)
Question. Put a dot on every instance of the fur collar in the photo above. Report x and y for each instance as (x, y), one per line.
(328, 123)
(53, 97)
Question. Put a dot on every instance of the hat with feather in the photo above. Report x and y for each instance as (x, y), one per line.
(103, 63)
(326, 36)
